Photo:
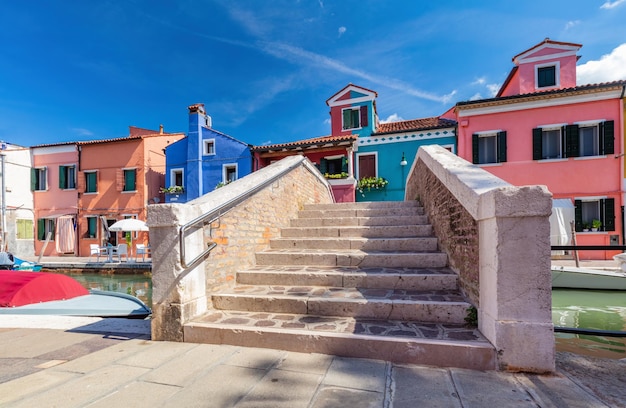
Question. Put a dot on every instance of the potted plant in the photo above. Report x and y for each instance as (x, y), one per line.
(596, 225)
(369, 183)
(585, 226)
(172, 190)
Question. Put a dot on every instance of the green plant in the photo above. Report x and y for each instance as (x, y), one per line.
(341, 175)
(222, 184)
(596, 224)
(585, 225)
(472, 316)
(172, 190)
(369, 183)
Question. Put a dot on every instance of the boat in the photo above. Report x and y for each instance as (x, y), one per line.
(22, 265)
(42, 293)
(587, 278)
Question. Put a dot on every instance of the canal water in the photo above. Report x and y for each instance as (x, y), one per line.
(589, 309)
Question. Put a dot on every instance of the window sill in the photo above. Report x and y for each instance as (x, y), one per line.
(590, 157)
(592, 232)
(490, 164)
(551, 160)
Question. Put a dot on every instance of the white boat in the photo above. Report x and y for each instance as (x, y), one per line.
(38, 293)
(586, 278)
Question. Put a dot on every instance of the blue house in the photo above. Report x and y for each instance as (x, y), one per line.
(384, 150)
(204, 160)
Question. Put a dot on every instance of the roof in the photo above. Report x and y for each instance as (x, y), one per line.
(316, 141)
(546, 94)
(350, 87)
(138, 134)
(548, 42)
(434, 122)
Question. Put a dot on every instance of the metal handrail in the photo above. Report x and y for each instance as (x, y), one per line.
(218, 212)
(587, 247)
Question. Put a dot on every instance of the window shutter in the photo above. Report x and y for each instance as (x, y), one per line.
(607, 206)
(323, 166)
(501, 147)
(364, 120)
(119, 180)
(33, 179)
(346, 119)
(62, 183)
(537, 135)
(572, 141)
(608, 137)
(475, 148)
(41, 229)
(344, 164)
(578, 215)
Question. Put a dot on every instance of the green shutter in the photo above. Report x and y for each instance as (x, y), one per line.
(537, 151)
(475, 149)
(572, 141)
(501, 147)
(347, 119)
(344, 164)
(33, 179)
(62, 182)
(608, 137)
(607, 206)
(129, 180)
(41, 229)
(578, 215)
(323, 166)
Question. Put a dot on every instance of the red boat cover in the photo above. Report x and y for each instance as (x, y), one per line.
(24, 288)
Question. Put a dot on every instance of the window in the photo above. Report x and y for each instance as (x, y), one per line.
(578, 140)
(229, 173)
(130, 179)
(45, 227)
(589, 209)
(67, 177)
(91, 182)
(366, 165)
(92, 227)
(209, 147)
(354, 118)
(489, 147)
(334, 165)
(176, 177)
(24, 229)
(38, 179)
(546, 76)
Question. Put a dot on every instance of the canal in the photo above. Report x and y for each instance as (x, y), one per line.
(589, 309)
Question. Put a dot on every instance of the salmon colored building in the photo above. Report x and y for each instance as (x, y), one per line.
(543, 128)
(81, 188)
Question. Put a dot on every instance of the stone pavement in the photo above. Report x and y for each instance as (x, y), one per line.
(56, 361)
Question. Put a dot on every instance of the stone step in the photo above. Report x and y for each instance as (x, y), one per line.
(421, 244)
(436, 306)
(359, 221)
(396, 231)
(363, 205)
(350, 277)
(362, 212)
(321, 257)
(442, 345)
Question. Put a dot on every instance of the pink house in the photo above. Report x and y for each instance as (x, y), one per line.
(543, 128)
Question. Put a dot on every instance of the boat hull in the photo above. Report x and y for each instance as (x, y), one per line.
(583, 278)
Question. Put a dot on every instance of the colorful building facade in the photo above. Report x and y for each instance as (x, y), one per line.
(543, 128)
(204, 160)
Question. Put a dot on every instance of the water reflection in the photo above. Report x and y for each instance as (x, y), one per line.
(590, 309)
(138, 285)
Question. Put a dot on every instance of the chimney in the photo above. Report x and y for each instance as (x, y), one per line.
(160, 129)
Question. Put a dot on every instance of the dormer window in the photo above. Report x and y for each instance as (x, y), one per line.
(354, 118)
(547, 76)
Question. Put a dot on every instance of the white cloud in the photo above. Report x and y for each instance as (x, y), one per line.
(610, 67)
(342, 30)
(480, 81)
(476, 97)
(493, 89)
(392, 118)
(571, 24)
(611, 4)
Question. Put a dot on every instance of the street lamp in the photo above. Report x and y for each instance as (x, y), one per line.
(403, 161)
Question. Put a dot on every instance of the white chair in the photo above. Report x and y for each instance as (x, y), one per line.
(95, 249)
(142, 250)
(119, 251)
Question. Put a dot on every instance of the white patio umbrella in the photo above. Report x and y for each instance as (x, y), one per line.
(129, 225)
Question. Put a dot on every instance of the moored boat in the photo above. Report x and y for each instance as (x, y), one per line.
(587, 278)
(57, 294)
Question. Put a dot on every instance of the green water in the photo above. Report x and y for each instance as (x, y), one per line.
(590, 309)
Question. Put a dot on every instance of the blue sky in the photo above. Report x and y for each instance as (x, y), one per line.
(81, 70)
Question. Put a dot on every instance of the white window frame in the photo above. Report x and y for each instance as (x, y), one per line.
(353, 108)
(205, 147)
(124, 178)
(559, 127)
(358, 170)
(173, 176)
(225, 167)
(38, 171)
(85, 175)
(557, 75)
(75, 181)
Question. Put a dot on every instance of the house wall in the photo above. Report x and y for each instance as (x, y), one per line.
(565, 178)
(54, 201)
(19, 198)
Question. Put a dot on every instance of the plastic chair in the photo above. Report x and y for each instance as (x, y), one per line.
(95, 249)
(119, 251)
(142, 250)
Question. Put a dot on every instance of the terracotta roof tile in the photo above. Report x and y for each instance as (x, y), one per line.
(307, 142)
(434, 122)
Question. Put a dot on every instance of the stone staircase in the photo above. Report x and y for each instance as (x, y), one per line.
(351, 279)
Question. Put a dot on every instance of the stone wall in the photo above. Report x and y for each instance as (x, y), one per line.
(180, 293)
